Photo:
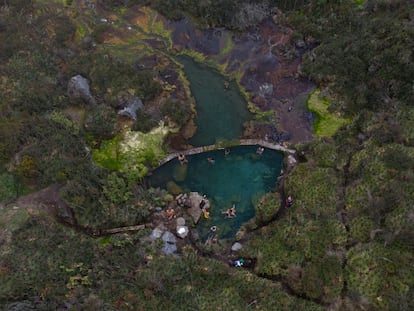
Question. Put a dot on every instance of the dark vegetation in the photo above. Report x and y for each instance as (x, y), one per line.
(238, 15)
(346, 243)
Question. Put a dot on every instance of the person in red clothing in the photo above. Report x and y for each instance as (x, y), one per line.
(289, 201)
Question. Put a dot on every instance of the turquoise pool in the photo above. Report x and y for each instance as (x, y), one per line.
(239, 178)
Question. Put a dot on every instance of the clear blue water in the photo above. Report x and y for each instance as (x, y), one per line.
(221, 110)
(239, 178)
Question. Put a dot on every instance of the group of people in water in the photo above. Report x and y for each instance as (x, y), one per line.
(183, 160)
(231, 212)
(212, 234)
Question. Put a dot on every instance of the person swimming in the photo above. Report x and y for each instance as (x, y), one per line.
(231, 212)
(182, 159)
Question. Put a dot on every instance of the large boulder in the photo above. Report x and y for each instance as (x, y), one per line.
(78, 87)
(169, 238)
(131, 105)
(169, 249)
(156, 233)
(193, 203)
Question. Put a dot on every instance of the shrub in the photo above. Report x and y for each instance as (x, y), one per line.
(144, 122)
(179, 112)
(100, 122)
(267, 207)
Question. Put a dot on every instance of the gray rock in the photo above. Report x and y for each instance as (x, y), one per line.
(169, 249)
(193, 201)
(21, 305)
(300, 44)
(132, 104)
(236, 247)
(78, 87)
(291, 160)
(168, 237)
(182, 231)
(180, 221)
(156, 233)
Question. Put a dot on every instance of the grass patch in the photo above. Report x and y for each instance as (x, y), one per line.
(359, 2)
(326, 123)
(7, 187)
(13, 218)
(107, 155)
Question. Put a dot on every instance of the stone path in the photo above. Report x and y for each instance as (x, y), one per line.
(242, 142)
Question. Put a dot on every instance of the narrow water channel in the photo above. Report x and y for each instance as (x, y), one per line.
(221, 109)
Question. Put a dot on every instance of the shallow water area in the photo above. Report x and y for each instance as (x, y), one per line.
(221, 109)
(238, 178)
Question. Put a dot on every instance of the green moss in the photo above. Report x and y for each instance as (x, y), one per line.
(108, 155)
(197, 56)
(81, 32)
(134, 153)
(326, 123)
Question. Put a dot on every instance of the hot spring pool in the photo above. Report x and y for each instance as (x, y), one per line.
(239, 178)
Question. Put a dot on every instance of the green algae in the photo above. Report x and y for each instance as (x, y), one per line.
(133, 153)
(327, 123)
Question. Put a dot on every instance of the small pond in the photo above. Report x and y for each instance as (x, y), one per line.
(221, 108)
(239, 178)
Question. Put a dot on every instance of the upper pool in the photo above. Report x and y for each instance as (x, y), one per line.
(221, 109)
(239, 178)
